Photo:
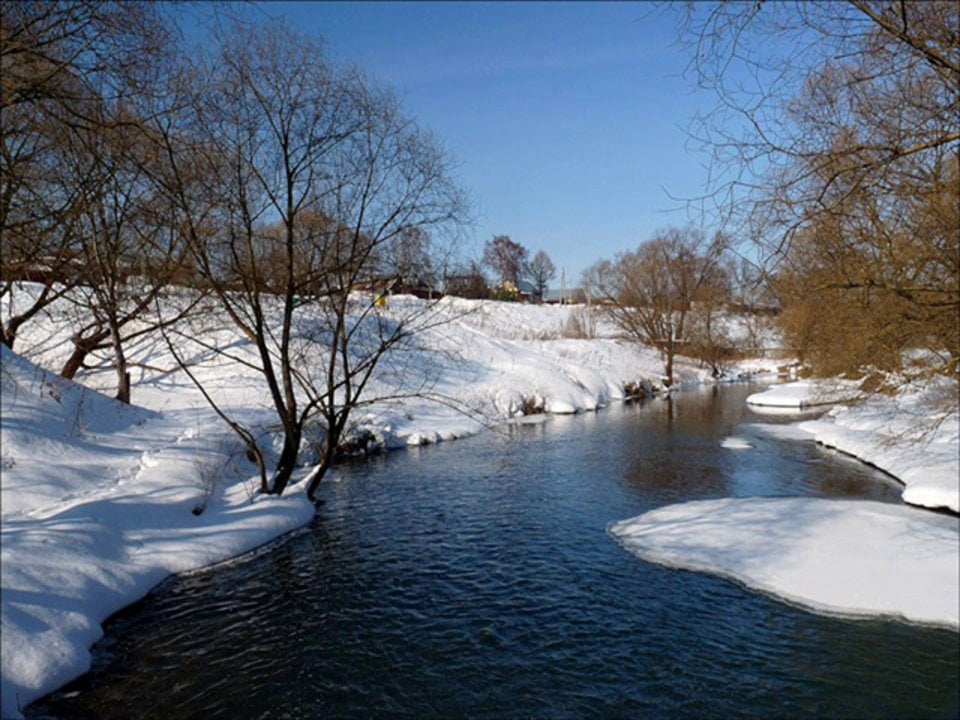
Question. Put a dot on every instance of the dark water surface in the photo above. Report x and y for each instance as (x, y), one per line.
(476, 579)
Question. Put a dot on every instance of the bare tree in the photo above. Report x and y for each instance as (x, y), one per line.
(317, 174)
(754, 301)
(508, 259)
(843, 136)
(61, 63)
(542, 270)
(709, 333)
(467, 281)
(408, 259)
(650, 293)
(127, 246)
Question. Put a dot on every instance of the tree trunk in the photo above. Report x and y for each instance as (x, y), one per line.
(334, 430)
(288, 459)
(320, 471)
(123, 377)
(75, 361)
(14, 323)
(12, 326)
(669, 381)
(82, 346)
(10, 331)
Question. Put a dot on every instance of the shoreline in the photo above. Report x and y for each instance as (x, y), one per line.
(98, 497)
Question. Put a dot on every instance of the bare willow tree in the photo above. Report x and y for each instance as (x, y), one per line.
(316, 174)
(61, 63)
(407, 258)
(651, 293)
(836, 146)
(127, 247)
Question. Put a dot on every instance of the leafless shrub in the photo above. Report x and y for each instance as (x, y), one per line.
(213, 467)
(633, 390)
(358, 443)
(581, 324)
(532, 405)
(81, 424)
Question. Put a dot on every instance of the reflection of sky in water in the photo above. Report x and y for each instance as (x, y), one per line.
(785, 461)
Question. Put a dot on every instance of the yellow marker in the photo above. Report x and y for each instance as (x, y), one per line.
(381, 301)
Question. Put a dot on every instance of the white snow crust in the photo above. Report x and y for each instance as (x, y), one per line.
(914, 436)
(852, 558)
(805, 393)
(735, 443)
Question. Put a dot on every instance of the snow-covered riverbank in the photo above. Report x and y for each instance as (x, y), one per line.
(913, 435)
(845, 557)
(97, 509)
(98, 498)
(901, 436)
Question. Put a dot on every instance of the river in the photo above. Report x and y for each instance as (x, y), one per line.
(476, 579)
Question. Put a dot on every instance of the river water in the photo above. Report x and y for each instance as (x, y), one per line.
(476, 579)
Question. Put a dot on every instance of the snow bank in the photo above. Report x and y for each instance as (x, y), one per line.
(835, 556)
(914, 436)
(97, 501)
(805, 393)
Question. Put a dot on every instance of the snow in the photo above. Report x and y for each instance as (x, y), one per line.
(805, 393)
(845, 557)
(914, 436)
(735, 443)
(97, 499)
(97, 503)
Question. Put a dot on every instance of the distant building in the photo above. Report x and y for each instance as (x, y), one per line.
(527, 292)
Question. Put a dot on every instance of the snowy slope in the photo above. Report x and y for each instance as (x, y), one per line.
(96, 502)
(913, 436)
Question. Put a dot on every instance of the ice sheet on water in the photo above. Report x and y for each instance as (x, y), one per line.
(735, 443)
(856, 558)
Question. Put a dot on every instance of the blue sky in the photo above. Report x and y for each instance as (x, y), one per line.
(565, 119)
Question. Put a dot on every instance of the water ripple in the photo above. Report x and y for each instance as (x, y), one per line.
(476, 579)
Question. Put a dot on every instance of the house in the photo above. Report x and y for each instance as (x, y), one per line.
(527, 292)
(418, 288)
